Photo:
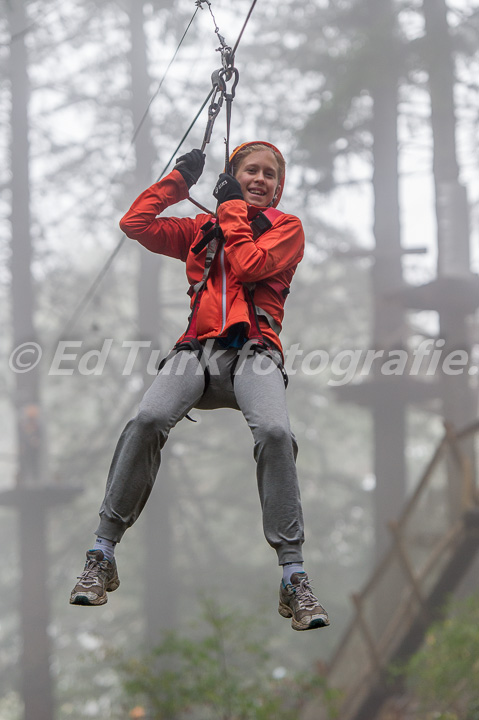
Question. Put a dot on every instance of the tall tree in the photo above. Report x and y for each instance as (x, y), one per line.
(388, 403)
(29, 497)
(358, 114)
(455, 293)
(159, 611)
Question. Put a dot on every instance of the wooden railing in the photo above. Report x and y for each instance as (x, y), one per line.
(434, 543)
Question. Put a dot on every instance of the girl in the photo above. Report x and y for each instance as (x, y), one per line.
(239, 266)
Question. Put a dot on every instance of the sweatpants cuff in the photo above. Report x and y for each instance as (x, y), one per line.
(110, 530)
(289, 554)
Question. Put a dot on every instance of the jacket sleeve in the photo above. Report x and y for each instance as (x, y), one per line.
(167, 236)
(276, 250)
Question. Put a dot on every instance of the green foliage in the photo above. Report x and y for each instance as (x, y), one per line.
(444, 673)
(223, 674)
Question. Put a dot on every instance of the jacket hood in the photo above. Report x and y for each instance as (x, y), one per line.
(273, 147)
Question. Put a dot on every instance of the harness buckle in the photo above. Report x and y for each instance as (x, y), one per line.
(211, 231)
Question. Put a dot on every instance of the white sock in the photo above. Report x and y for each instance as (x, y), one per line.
(289, 569)
(106, 546)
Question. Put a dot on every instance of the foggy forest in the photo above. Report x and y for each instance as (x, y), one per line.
(375, 107)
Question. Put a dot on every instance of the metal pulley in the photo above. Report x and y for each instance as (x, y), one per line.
(219, 80)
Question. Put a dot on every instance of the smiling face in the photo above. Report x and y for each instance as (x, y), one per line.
(258, 175)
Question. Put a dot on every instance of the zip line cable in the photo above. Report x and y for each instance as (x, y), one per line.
(155, 94)
(92, 289)
(34, 23)
(203, 105)
(95, 284)
(140, 124)
(235, 47)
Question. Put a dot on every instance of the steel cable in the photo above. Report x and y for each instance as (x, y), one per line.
(92, 289)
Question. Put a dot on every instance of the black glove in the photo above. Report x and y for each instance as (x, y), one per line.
(227, 188)
(191, 166)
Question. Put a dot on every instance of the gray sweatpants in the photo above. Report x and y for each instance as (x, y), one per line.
(257, 389)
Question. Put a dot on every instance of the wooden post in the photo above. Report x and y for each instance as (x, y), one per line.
(405, 562)
(371, 643)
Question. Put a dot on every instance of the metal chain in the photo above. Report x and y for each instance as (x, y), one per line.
(223, 44)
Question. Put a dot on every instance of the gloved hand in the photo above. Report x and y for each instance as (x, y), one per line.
(227, 188)
(191, 166)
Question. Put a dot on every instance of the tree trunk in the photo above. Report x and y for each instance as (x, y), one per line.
(389, 408)
(452, 213)
(34, 609)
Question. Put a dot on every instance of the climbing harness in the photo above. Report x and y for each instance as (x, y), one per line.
(256, 342)
(224, 82)
(213, 237)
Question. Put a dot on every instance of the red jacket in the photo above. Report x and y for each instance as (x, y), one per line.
(274, 255)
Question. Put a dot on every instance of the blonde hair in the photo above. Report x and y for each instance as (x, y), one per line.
(255, 147)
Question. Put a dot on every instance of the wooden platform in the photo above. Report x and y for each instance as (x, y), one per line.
(436, 540)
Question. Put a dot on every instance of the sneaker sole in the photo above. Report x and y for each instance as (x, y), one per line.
(313, 625)
(83, 599)
(285, 611)
(319, 622)
(93, 599)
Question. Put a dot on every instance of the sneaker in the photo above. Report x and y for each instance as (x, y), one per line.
(296, 600)
(99, 576)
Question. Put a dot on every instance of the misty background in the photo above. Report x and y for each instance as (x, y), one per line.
(374, 104)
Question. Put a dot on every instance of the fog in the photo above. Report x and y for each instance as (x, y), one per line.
(373, 104)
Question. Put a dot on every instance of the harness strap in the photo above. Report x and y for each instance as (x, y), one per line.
(193, 345)
(263, 221)
(212, 238)
(272, 322)
(213, 235)
(253, 346)
(210, 231)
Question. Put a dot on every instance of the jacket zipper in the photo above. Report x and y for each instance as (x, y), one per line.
(223, 287)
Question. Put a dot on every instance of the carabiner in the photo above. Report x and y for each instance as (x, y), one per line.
(219, 87)
(226, 76)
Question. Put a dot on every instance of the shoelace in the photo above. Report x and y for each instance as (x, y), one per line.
(88, 579)
(304, 595)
